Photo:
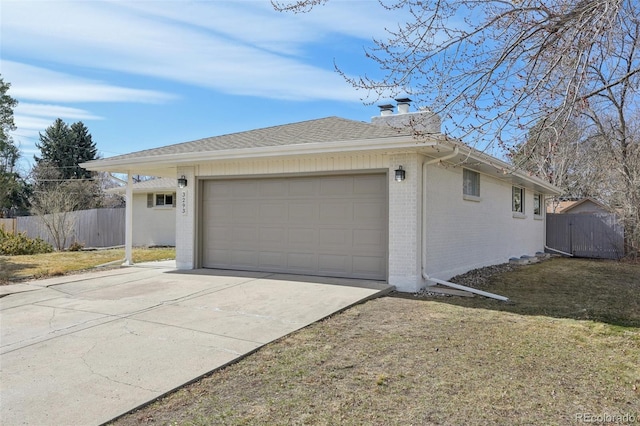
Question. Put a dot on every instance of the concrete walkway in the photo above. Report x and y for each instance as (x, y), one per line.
(84, 349)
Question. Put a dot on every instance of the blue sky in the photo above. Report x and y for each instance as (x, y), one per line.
(142, 74)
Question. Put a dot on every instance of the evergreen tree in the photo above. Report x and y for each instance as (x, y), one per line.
(65, 147)
(13, 189)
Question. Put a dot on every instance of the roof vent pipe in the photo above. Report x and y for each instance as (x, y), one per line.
(403, 105)
(386, 109)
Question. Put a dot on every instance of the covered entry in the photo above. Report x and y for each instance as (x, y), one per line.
(314, 225)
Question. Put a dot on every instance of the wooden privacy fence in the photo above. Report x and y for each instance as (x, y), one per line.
(8, 224)
(596, 235)
(91, 228)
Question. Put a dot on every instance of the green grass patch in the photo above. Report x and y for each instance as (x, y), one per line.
(19, 268)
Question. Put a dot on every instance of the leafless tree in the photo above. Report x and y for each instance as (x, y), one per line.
(494, 68)
(55, 199)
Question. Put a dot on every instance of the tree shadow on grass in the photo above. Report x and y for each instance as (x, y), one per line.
(10, 270)
(581, 289)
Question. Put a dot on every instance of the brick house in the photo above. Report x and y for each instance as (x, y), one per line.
(336, 197)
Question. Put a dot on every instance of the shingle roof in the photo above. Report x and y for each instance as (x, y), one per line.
(330, 129)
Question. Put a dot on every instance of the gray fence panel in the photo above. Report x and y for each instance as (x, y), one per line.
(91, 228)
(596, 235)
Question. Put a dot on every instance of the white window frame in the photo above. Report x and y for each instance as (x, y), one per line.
(537, 196)
(470, 185)
(154, 198)
(517, 210)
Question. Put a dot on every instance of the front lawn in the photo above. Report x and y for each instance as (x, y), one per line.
(566, 350)
(19, 268)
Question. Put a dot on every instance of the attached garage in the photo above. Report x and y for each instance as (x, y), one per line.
(313, 225)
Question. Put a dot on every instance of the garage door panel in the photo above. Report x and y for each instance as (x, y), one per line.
(327, 225)
(272, 213)
(368, 238)
(298, 262)
(370, 185)
(272, 188)
(367, 266)
(333, 212)
(302, 187)
(273, 260)
(336, 186)
(245, 189)
(303, 236)
(303, 212)
(245, 234)
(244, 258)
(273, 236)
(369, 212)
(331, 264)
(332, 237)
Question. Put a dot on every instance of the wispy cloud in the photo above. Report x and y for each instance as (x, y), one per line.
(241, 48)
(39, 84)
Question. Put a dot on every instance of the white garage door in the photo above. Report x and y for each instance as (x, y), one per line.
(327, 226)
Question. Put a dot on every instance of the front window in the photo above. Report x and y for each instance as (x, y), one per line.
(517, 200)
(164, 199)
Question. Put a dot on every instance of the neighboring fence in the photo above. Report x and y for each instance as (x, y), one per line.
(8, 224)
(594, 235)
(91, 228)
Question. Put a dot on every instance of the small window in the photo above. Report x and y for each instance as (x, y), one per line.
(164, 200)
(537, 204)
(517, 200)
(470, 183)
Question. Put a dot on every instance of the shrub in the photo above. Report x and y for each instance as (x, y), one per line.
(76, 246)
(13, 245)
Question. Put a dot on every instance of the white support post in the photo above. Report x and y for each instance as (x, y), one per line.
(128, 234)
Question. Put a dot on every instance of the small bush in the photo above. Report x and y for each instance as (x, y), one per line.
(76, 246)
(14, 245)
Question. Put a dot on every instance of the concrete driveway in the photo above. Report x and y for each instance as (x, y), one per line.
(84, 349)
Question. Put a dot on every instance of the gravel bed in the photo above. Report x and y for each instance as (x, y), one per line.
(476, 278)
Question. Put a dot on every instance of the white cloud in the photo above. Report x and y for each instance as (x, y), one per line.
(241, 48)
(39, 84)
(53, 111)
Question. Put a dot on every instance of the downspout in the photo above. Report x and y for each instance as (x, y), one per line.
(558, 251)
(424, 237)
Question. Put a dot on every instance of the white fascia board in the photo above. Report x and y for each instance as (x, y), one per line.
(337, 147)
(508, 171)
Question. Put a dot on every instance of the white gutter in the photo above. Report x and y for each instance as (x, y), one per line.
(424, 238)
(455, 152)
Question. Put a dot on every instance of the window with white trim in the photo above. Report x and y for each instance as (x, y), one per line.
(537, 204)
(161, 200)
(470, 183)
(517, 199)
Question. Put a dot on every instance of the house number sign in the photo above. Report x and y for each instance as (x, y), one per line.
(183, 202)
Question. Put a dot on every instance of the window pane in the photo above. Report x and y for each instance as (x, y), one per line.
(159, 199)
(517, 199)
(470, 183)
(537, 210)
(168, 199)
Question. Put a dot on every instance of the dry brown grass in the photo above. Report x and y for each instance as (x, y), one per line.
(445, 361)
(19, 268)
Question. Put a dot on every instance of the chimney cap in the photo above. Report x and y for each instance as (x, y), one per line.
(403, 100)
(385, 106)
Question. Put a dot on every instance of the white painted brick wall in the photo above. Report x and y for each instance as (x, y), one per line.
(185, 220)
(404, 223)
(462, 235)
